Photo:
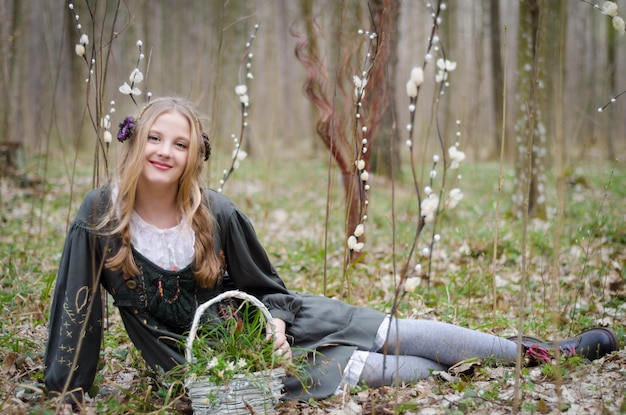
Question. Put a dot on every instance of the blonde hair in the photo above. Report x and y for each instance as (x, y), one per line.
(207, 267)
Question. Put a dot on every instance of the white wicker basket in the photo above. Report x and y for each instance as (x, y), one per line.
(259, 391)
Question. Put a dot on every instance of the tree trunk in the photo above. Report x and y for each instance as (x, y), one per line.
(310, 30)
(11, 107)
(529, 127)
(551, 47)
(497, 71)
(611, 60)
(380, 101)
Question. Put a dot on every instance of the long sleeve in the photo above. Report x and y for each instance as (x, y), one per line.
(251, 270)
(326, 330)
(75, 326)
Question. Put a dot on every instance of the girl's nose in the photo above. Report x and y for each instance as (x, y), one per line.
(164, 150)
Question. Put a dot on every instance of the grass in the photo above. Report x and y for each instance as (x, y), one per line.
(287, 204)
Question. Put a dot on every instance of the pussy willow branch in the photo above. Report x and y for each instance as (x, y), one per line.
(104, 64)
(399, 288)
(413, 101)
(360, 148)
(443, 178)
(246, 59)
(368, 65)
(97, 69)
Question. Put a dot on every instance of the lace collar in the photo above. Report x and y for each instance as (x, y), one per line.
(171, 248)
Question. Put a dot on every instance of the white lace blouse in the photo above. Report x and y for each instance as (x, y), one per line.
(170, 248)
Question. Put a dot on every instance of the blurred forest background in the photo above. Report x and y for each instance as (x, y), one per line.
(195, 49)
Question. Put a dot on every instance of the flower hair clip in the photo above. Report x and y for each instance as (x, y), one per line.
(207, 145)
(127, 129)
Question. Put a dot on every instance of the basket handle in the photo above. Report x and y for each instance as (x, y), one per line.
(227, 294)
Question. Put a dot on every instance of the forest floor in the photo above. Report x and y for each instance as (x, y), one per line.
(467, 285)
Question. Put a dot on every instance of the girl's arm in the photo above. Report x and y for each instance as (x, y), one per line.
(75, 326)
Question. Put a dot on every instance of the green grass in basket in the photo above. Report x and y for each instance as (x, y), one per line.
(236, 343)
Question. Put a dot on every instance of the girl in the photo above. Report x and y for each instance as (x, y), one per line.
(161, 244)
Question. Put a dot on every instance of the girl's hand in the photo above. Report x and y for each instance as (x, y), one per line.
(281, 345)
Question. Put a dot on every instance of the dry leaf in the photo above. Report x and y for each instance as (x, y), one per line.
(465, 367)
(8, 368)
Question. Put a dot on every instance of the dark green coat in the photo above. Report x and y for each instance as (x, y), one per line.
(331, 327)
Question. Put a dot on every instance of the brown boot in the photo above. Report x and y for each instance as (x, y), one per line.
(590, 344)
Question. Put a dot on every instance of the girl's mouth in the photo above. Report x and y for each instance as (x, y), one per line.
(160, 166)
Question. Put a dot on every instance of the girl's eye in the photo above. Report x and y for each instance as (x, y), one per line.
(153, 138)
(181, 145)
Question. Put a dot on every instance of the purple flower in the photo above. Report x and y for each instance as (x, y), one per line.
(207, 145)
(127, 129)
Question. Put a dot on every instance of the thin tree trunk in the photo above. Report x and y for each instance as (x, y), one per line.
(611, 58)
(310, 30)
(12, 108)
(381, 100)
(530, 127)
(496, 70)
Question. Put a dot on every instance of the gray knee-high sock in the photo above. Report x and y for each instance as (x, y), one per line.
(382, 370)
(445, 343)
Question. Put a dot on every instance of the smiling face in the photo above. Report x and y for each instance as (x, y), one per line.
(166, 152)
